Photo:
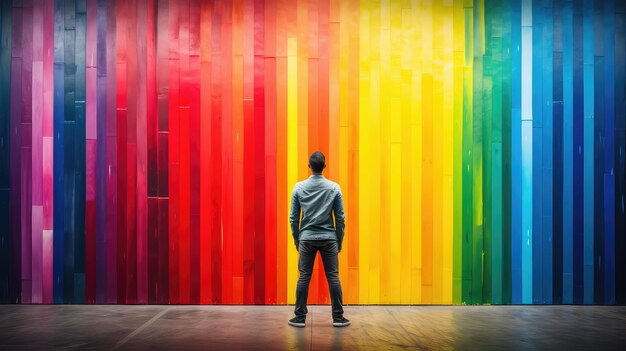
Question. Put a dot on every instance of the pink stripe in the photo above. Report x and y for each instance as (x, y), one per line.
(48, 119)
(142, 158)
(37, 259)
(90, 104)
(47, 266)
(37, 174)
(37, 153)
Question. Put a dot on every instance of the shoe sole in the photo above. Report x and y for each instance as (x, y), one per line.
(297, 325)
(341, 324)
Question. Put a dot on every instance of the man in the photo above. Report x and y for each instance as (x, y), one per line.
(318, 198)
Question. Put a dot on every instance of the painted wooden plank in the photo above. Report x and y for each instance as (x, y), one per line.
(91, 159)
(162, 79)
(111, 155)
(26, 151)
(270, 111)
(598, 90)
(5, 159)
(547, 156)
(152, 130)
(194, 163)
(248, 151)
(589, 147)
(216, 158)
(227, 137)
(578, 149)
(620, 155)
(568, 144)
(259, 154)
(141, 167)
(37, 107)
(184, 169)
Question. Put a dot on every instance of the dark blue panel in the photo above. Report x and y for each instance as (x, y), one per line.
(59, 196)
(80, 161)
(598, 189)
(5, 150)
(546, 175)
(577, 147)
(620, 154)
(557, 157)
(537, 151)
(609, 152)
(599, 138)
(70, 211)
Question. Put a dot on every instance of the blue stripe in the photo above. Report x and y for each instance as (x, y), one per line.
(620, 157)
(577, 148)
(516, 150)
(557, 156)
(59, 137)
(609, 153)
(80, 145)
(5, 150)
(588, 58)
(527, 152)
(546, 171)
(568, 156)
(599, 152)
(537, 152)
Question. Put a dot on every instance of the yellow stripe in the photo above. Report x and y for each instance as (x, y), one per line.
(365, 179)
(292, 157)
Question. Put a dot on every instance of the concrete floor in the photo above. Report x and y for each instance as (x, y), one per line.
(265, 328)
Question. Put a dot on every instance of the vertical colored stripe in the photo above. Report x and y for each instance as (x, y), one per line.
(148, 149)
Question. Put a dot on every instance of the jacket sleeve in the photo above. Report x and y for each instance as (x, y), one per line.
(340, 216)
(294, 215)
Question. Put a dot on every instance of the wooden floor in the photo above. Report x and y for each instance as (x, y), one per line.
(265, 328)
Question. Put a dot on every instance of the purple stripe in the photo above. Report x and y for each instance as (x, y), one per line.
(111, 158)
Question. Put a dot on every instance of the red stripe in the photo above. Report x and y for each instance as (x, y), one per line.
(194, 147)
(270, 152)
(282, 22)
(121, 150)
(216, 158)
(162, 79)
(259, 152)
(322, 112)
(184, 113)
(131, 153)
(173, 149)
(152, 154)
(249, 144)
(206, 288)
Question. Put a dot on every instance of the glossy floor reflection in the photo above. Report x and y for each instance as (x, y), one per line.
(265, 328)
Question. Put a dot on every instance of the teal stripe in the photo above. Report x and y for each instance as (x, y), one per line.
(527, 153)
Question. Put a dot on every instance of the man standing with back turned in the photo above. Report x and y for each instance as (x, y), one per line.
(318, 198)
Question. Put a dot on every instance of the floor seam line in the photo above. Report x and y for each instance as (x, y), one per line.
(141, 328)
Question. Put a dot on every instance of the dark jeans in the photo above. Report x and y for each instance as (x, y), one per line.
(329, 251)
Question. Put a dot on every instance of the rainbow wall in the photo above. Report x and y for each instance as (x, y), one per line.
(148, 149)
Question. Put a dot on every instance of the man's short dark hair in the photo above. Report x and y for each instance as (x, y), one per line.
(317, 161)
